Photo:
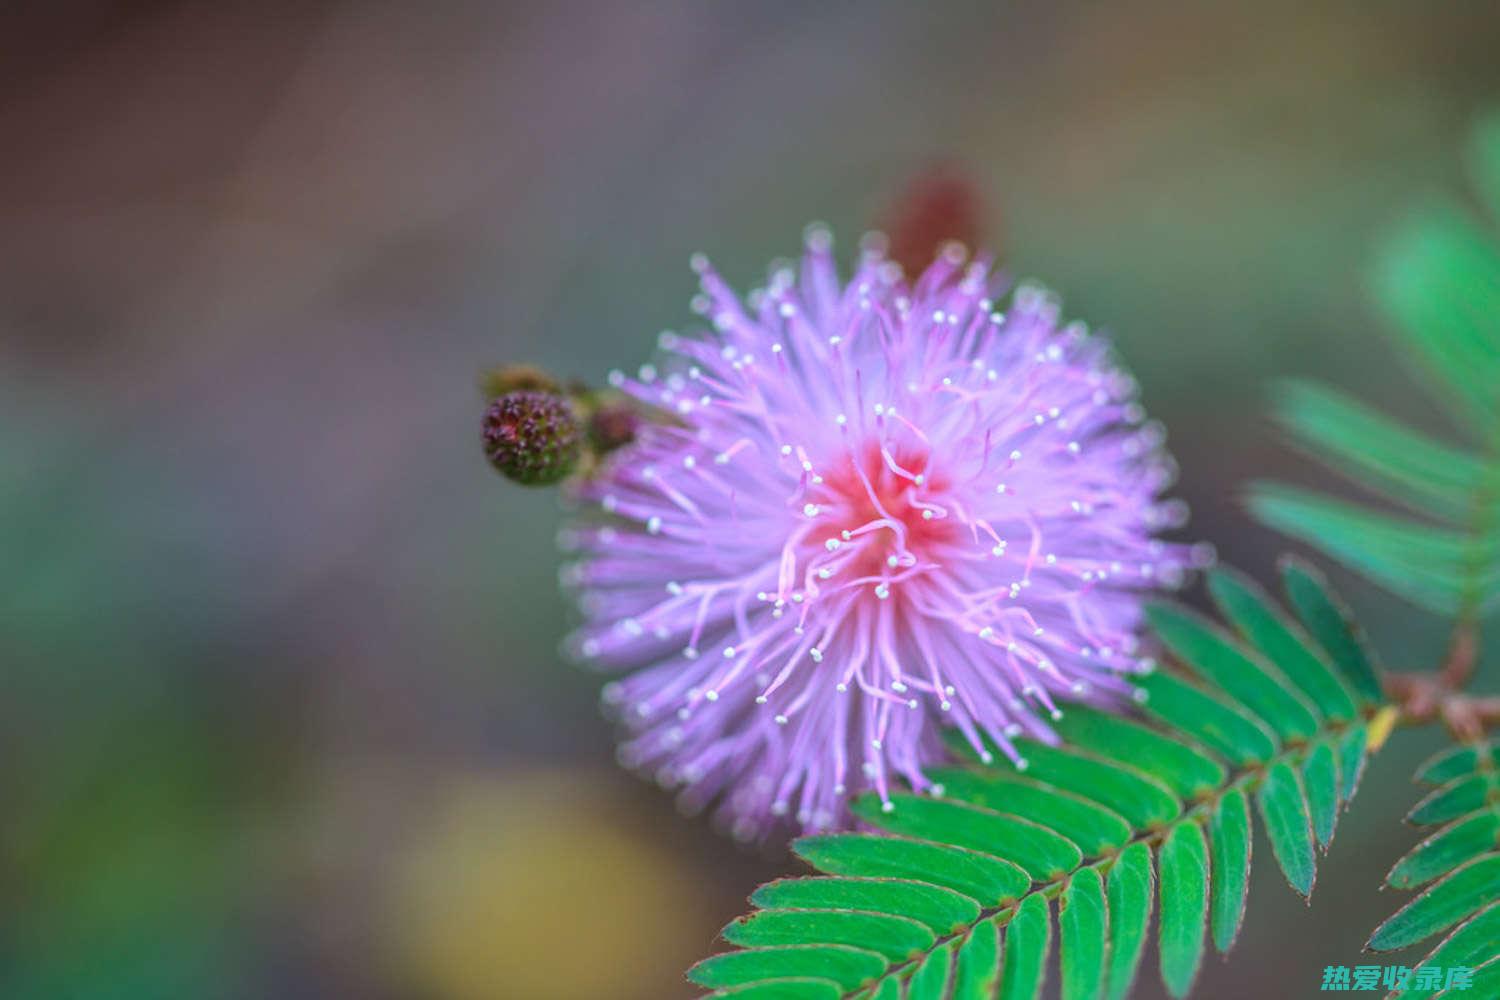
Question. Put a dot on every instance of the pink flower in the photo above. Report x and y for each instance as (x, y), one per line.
(879, 510)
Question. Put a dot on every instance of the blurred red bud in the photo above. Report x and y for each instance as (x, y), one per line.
(938, 205)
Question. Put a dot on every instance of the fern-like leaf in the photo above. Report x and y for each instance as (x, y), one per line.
(1438, 283)
(965, 892)
(1456, 868)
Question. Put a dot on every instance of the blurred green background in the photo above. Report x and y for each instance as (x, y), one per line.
(281, 712)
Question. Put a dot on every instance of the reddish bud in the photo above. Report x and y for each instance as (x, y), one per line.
(533, 437)
(937, 206)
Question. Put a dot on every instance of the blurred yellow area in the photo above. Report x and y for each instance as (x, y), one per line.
(532, 887)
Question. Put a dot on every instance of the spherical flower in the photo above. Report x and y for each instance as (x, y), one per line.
(875, 510)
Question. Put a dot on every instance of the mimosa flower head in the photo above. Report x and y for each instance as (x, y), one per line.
(871, 510)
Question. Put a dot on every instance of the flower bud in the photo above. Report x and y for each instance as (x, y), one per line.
(613, 424)
(533, 437)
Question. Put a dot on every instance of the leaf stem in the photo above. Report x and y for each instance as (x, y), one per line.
(1427, 696)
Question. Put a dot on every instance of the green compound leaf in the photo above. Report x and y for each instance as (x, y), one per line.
(956, 892)
(1184, 906)
(1437, 280)
(942, 910)
(1131, 891)
(1283, 809)
(1229, 836)
(1028, 940)
(1083, 926)
(1458, 866)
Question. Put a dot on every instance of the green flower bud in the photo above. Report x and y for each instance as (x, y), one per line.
(533, 437)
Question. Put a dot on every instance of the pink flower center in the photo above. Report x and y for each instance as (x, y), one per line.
(880, 505)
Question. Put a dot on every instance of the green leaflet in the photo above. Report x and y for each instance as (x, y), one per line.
(1352, 754)
(787, 989)
(1028, 939)
(978, 970)
(942, 910)
(1229, 839)
(1485, 983)
(980, 876)
(1320, 777)
(1185, 770)
(1183, 865)
(930, 981)
(1083, 925)
(1455, 799)
(1328, 621)
(1129, 898)
(1092, 827)
(1378, 452)
(1280, 641)
(1252, 683)
(1210, 721)
(1471, 943)
(894, 937)
(1283, 809)
(889, 989)
(1445, 850)
(1038, 851)
(1440, 906)
(1457, 762)
(1142, 800)
(1437, 280)
(1427, 565)
(1484, 162)
(849, 967)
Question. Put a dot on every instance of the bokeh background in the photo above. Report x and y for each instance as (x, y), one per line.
(281, 712)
